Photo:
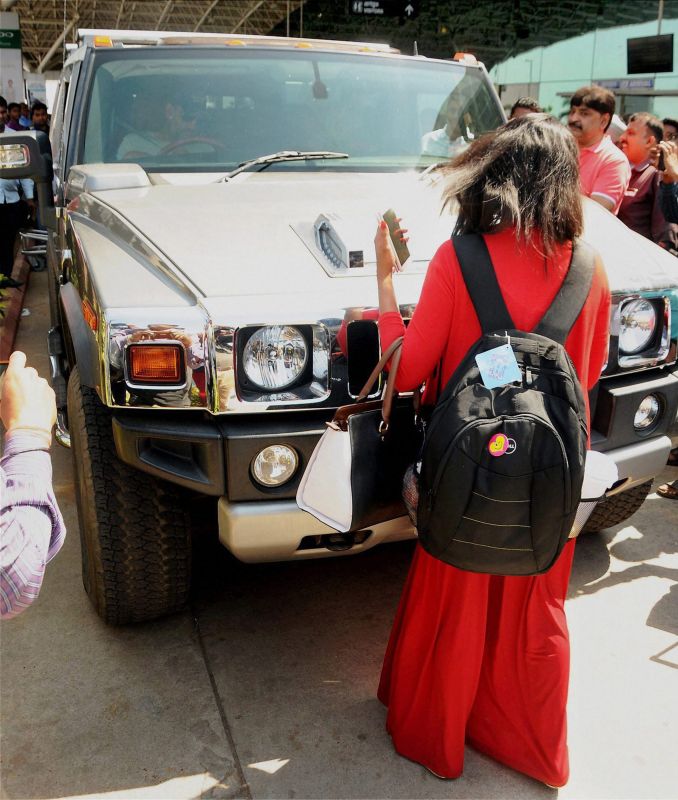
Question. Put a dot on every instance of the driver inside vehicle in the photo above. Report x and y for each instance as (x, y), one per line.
(455, 136)
(158, 124)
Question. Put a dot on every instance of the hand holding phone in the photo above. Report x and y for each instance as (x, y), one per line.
(399, 244)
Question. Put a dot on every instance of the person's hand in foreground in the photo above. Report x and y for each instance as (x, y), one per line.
(27, 399)
(31, 527)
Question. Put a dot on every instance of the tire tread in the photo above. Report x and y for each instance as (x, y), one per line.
(618, 508)
(135, 531)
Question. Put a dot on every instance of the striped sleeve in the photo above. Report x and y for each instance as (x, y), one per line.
(32, 530)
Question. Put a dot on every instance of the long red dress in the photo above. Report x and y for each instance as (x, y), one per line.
(478, 658)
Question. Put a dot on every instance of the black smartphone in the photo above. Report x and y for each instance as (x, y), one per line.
(660, 163)
(402, 251)
(362, 349)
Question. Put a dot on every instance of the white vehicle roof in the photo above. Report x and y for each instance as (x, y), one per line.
(116, 38)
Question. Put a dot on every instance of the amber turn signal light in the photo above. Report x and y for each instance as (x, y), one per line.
(89, 315)
(156, 363)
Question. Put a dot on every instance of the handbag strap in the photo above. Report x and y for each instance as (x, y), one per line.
(394, 351)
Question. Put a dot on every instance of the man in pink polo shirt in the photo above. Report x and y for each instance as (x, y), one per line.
(604, 170)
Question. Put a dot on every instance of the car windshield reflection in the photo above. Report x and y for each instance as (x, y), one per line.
(210, 110)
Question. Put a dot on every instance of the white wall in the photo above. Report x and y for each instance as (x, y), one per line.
(11, 68)
(596, 56)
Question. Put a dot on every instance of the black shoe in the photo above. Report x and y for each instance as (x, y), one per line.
(10, 283)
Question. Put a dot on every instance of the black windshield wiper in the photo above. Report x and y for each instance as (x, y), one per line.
(283, 155)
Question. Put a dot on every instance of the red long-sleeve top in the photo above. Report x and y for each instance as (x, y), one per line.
(444, 324)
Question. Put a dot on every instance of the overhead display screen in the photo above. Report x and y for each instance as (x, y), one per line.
(650, 54)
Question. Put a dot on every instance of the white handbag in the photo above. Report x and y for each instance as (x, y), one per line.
(354, 477)
(600, 473)
(325, 487)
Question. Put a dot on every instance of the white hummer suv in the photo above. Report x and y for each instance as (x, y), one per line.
(210, 216)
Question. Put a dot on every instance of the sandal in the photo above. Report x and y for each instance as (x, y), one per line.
(669, 490)
(672, 460)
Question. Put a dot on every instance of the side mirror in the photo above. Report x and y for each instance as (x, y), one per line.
(28, 155)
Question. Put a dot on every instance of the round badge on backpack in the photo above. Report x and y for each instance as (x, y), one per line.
(500, 445)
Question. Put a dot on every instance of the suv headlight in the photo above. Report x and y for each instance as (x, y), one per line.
(637, 326)
(274, 357)
(279, 364)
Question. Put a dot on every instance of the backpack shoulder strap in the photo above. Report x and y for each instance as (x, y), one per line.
(568, 303)
(481, 282)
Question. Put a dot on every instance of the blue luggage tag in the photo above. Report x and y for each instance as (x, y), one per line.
(498, 366)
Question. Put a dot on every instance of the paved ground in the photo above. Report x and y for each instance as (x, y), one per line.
(266, 686)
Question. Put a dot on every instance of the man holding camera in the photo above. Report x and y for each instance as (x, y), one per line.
(640, 209)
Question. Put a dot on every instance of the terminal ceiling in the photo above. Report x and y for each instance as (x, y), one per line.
(491, 29)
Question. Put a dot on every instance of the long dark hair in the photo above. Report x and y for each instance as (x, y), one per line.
(524, 174)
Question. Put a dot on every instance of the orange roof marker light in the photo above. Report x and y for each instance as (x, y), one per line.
(103, 41)
(201, 40)
(465, 58)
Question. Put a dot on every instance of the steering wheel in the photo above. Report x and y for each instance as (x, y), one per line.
(172, 146)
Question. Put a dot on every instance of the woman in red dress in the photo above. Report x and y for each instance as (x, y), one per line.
(472, 657)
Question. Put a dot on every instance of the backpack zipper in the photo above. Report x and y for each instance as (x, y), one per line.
(431, 428)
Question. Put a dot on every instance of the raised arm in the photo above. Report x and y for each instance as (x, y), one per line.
(429, 330)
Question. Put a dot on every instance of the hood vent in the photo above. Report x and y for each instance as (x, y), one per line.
(344, 246)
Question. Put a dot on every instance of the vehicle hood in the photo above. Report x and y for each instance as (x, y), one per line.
(244, 237)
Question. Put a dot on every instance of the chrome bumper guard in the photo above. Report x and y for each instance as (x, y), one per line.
(281, 531)
(638, 463)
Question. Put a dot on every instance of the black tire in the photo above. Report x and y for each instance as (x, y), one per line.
(134, 530)
(618, 508)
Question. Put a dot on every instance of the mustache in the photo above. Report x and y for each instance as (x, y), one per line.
(574, 125)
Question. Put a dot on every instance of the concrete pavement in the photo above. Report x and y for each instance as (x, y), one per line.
(266, 686)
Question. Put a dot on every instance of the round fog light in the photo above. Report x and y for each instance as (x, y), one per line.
(275, 465)
(647, 413)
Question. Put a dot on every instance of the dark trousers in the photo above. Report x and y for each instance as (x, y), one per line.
(12, 217)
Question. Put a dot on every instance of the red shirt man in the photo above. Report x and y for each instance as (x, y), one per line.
(604, 171)
(640, 208)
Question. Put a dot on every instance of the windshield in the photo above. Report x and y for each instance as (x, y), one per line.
(196, 109)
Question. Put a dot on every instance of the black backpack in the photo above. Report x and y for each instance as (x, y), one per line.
(502, 468)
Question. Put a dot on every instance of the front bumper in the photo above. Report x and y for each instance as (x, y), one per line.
(639, 463)
(281, 531)
(213, 456)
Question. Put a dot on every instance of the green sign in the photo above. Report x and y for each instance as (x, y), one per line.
(10, 39)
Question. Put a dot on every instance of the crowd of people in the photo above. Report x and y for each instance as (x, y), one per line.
(628, 166)
(19, 118)
(17, 204)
